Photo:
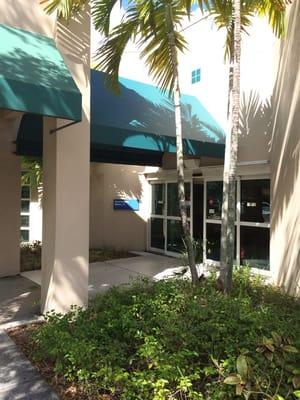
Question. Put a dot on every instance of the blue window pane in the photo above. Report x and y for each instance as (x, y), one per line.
(196, 75)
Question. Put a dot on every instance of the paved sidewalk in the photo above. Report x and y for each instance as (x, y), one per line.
(19, 380)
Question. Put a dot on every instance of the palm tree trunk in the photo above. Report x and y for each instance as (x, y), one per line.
(230, 165)
(179, 152)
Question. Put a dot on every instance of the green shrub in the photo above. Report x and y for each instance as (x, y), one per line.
(171, 340)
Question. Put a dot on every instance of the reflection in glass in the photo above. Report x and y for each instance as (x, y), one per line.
(173, 209)
(158, 198)
(255, 200)
(255, 247)
(175, 241)
(25, 206)
(24, 235)
(157, 233)
(214, 200)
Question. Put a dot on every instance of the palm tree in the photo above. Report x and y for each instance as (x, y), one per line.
(154, 26)
(235, 16)
(64, 8)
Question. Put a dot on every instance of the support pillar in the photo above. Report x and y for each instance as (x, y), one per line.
(66, 165)
(10, 178)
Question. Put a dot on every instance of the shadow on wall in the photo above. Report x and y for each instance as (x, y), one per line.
(27, 15)
(285, 159)
(255, 122)
(118, 229)
(74, 42)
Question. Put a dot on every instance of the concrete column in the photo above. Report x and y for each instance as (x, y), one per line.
(10, 178)
(66, 163)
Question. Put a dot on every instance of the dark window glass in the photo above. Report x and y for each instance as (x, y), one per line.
(25, 192)
(255, 200)
(158, 198)
(175, 236)
(25, 206)
(157, 233)
(214, 200)
(213, 241)
(255, 247)
(24, 235)
(173, 209)
(25, 220)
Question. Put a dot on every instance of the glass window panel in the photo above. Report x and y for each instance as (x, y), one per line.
(25, 204)
(214, 200)
(157, 233)
(255, 200)
(25, 192)
(255, 244)
(158, 198)
(175, 241)
(24, 235)
(173, 209)
(213, 241)
(25, 220)
(25, 177)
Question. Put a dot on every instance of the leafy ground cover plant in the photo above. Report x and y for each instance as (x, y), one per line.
(171, 340)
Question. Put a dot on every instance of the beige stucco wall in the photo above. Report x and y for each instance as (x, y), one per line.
(126, 230)
(285, 161)
(28, 15)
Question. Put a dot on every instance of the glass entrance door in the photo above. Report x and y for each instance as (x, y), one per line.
(166, 233)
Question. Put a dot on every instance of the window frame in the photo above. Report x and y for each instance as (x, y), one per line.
(238, 222)
(165, 217)
(196, 76)
(25, 213)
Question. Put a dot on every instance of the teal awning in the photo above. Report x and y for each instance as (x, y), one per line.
(34, 78)
(142, 118)
(136, 127)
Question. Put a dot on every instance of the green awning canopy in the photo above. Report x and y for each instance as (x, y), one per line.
(135, 128)
(34, 77)
(141, 119)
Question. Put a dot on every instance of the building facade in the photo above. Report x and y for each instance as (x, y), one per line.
(127, 186)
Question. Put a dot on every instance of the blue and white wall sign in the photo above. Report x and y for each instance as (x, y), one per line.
(127, 204)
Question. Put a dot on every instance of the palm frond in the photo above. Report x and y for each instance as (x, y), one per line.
(65, 8)
(101, 14)
(222, 12)
(108, 56)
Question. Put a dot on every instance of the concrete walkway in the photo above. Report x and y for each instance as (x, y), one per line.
(103, 275)
(19, 301)
(19, 380)
(20, 295)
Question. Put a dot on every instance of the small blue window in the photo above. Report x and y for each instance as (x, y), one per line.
(196, 75)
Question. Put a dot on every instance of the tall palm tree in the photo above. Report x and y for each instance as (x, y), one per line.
(154, 26)
(235, 16)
